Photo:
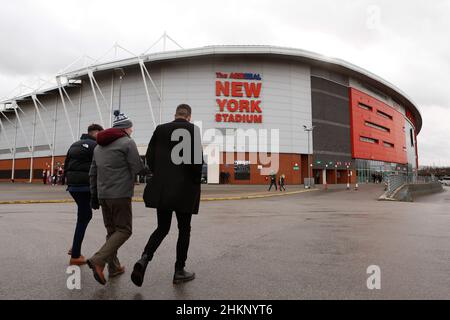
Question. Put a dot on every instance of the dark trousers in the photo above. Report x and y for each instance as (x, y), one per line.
(273, 184)
(282, 187)
(184, 235)
(84, 216)
(118, 220)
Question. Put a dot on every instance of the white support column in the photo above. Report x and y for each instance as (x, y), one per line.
(80, 101)
(2, 127)
(14, 152)
(6, 117)
(32, 147)
(100, 90)
(90, 74)
(54, 136)
(68, 97)
(36, 102)
(74, 137)
(21, 126)
(60, 88)
(141, 63)
(151, 80)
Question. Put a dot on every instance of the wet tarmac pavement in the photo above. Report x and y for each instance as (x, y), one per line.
(314, 245)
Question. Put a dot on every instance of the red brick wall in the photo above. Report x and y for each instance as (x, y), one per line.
(24, 164)
(286, 166)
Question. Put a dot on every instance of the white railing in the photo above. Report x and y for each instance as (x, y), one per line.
(395, 181)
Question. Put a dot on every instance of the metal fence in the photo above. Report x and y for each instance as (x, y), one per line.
(395, 181)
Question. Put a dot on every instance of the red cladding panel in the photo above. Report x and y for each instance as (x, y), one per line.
(359, 128)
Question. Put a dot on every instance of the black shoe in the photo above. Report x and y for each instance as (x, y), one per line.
(181, 276)
(137, 277)
(97, 271)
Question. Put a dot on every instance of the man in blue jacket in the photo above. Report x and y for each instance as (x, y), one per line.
(77, 164)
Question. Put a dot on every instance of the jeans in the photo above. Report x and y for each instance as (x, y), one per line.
(184, 235)
(84, 216)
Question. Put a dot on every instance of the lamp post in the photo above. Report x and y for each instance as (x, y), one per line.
(121, 74)
(309, 130)
(326, 183)
(335, 174)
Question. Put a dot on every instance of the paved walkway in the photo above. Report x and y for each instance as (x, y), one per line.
(314, 245)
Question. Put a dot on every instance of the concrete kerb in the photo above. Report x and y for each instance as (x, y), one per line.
(407, 192)
(243, 197)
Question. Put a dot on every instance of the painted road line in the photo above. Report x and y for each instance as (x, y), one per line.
(243, 197)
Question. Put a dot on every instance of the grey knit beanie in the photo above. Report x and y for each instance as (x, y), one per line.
(121, 121)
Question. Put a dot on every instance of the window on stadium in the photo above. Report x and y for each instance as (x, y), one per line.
(377, 126)
(369, 140)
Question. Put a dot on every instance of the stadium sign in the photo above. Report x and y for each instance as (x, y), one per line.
(238, 97)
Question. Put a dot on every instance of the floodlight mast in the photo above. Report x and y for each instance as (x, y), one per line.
(121, 74)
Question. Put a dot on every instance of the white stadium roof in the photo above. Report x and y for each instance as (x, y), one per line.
(251, 50)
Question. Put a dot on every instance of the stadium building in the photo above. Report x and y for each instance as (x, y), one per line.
(339, 120)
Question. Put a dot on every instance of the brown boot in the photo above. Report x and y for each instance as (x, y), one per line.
(98, 272)
(77, 261)
(118, 272)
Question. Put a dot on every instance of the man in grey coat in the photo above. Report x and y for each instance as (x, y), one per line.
(115, 164)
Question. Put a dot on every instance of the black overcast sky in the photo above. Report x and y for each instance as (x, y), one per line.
(405, 42)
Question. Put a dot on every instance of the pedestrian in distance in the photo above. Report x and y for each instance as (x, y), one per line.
(77, 165)
(54, 176)
(115, 164)
(63, 176)
(59, 176)
(273, 181)
(227, 177)
(282, 182)
(175, 187)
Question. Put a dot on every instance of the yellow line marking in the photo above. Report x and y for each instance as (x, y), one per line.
(244, 197)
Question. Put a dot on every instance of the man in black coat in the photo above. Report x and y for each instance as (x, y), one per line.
(76, 171)
(175, 158)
